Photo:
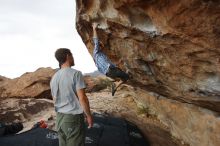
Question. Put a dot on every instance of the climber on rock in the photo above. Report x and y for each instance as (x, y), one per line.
(105, 66)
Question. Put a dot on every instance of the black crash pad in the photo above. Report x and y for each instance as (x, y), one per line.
(107, 131)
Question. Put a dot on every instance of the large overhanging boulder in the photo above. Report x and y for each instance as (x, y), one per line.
(169, 47)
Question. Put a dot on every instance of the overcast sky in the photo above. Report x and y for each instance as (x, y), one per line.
(32, 30)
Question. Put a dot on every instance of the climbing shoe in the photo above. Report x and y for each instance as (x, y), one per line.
(113, 89)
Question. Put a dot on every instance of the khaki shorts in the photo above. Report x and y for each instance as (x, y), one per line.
(71, 129)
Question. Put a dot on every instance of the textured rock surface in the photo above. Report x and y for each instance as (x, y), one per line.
(123, 105)
(192, 124)
(29, 85)
(171, 48)
(28, 111)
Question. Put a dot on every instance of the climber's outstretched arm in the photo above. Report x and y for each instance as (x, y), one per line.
(95, 39)
(94, 27)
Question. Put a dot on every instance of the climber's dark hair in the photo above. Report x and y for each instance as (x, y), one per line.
(61, 55)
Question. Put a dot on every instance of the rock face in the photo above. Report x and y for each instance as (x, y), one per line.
(171, 49)
(29, 85)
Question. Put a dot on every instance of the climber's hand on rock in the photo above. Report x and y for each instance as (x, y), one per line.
(95, 25)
